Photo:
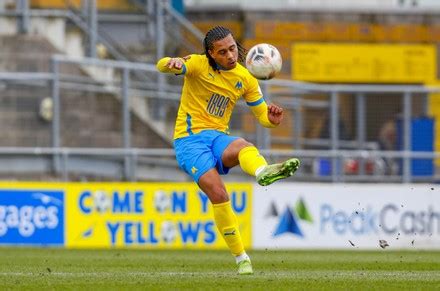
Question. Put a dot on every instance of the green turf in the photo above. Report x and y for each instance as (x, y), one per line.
(55, 269)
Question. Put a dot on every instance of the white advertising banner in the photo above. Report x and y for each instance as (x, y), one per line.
(296, 215)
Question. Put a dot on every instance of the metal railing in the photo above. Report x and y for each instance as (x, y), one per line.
(164, 23)
(157, 15)
(130, 159)
(290, 94)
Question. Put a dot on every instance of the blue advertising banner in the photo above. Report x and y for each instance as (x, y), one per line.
(31, 217)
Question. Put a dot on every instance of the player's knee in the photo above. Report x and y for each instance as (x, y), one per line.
(219, 195)
(230, 156)
(242, 143)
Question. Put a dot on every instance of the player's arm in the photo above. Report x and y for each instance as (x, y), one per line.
(267, 115)
(172, 65)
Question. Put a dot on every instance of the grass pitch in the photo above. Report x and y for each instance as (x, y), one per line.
(55, 269)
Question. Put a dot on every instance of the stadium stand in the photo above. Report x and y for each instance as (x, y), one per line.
(323, 26)
(88, 120)
(90, 190)
(151, 31)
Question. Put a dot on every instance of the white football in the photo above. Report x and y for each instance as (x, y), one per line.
(264, 61)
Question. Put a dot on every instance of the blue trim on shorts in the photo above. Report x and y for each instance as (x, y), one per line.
(188, 124)
(198, 153)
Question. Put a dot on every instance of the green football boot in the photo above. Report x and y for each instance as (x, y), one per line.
(275, 172)
(245, 268)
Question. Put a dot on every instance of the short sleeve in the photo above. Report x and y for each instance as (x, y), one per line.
(253, 94)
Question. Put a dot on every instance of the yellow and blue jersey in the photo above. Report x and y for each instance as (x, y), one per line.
(209, 96)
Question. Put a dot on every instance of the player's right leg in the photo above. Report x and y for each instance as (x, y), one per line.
(196, 158)
(225, 219)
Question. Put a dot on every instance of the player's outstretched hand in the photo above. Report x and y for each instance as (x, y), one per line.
(177, 63)
(274, 114)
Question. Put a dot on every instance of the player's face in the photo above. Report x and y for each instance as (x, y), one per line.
(225, 52)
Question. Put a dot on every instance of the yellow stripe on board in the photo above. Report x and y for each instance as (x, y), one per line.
(364, 63)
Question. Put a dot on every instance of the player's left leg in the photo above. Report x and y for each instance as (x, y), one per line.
(275, 172)
(244, 153)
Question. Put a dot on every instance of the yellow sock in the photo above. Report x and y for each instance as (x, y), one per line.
(226, 222)
(250, 160)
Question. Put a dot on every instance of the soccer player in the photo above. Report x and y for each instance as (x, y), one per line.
(213, 83)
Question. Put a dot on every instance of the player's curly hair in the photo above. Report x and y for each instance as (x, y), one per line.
(218, 33)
